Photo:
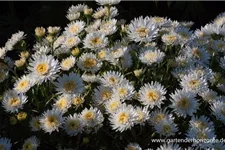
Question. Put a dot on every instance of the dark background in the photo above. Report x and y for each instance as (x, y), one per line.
(26, 16)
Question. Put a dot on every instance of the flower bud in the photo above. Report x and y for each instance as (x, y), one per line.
(138, 72)
(21, 116)
(75, 51)
(39, 31)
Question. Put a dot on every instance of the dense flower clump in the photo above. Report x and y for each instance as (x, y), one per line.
(103, 83)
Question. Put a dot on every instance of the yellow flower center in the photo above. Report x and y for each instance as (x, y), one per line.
(122, 91)
(73, 125)
(202, 135)
(42, 68)
(69, 86)
(142, 31)
(131, 148)
(66, 63)
(90, 62)
(152, 95)
(96, 41)
(89, 115)
(183, 103)
(2, 147)
(51, 121)
(112, 80)
(101, 54)
(14, 102)
(166, 128)
(140, 116)
(37, 124)
(123, 118)
(150, 56)
(74, 29)
(171, 38)
(114, 105)
(22, 85)
(196, 53)
(106, 95)
(62, 103)
(27, 146)
(201, 125)
(157, 19)
(77, 101)
(194, 83)
(159, 117)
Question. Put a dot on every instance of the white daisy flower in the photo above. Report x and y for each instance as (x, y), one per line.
(58, 42)
(218, 45)
(73, 16)
(160, 21)
(133, 146)
(35, 124)
(124, 91)
(123, 119)
(112, 105)
(74, 28)
(108, 2)
(142, 30)
(101, 95)
(171, 38)
(117, 51)
(51, 120)
(105, 12)
(95, 40)
(89, 62)
(194, 83)
(15, 38)
(166, 128)
(5, 144)
(184, 102)
(108, 27)
(142, 115)
(78, 8)
(69, 84)
(12, 101)
(70, 41)
(2, 52)
(201, 123)
(67, 63)
(73, 125)
(152, 94)
(31, 143)
(151, 56)
(112, 78)
(220, 19)
(53, 30)
(92, 118)
(63, 103)
(43, 68)
(23, 84)
(94, 26)
(169, 146)
(90, 78)
(218, 109)
(157, 116)
(209, 95)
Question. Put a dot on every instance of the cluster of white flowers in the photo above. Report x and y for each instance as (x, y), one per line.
(98, 74)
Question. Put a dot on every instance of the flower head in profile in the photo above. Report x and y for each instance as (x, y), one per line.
(67, 63)
(51, 120)
(16, 37)
(108, 2)
(74, 28)
(35, 124)
(133, 146)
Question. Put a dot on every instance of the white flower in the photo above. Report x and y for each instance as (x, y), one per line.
(184, 102)
(171, 38)
(142, 30)
(194, 83)
(44, 68)
(68, 63)
(149, 56)
(101, 95)
(133, 146)
(69, 84)
(152, 94)
(5, 144)
(123, 119)
(35, 124)
(53, 30)
(108, 2)
(2, 52)
(95, 40)
(91, 78)
(15, 38)
(92, 118)
(157, 116)
(208, 95)
(73, 125)
(71, 41)
(105, 12)
(31, 143)
(124, 91)
(117, 51)
(12, 101)
(89, 62)
(108, 27)
(112, 105)
(112, 78)
(23, 84)
(166, 128)
(51, 120)
(218, 109)
(201, 123)
(142, 115)
(72, 17)
(74, 28)
(220, 19)
(63, 103)
(169, 146)
(76, 9)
